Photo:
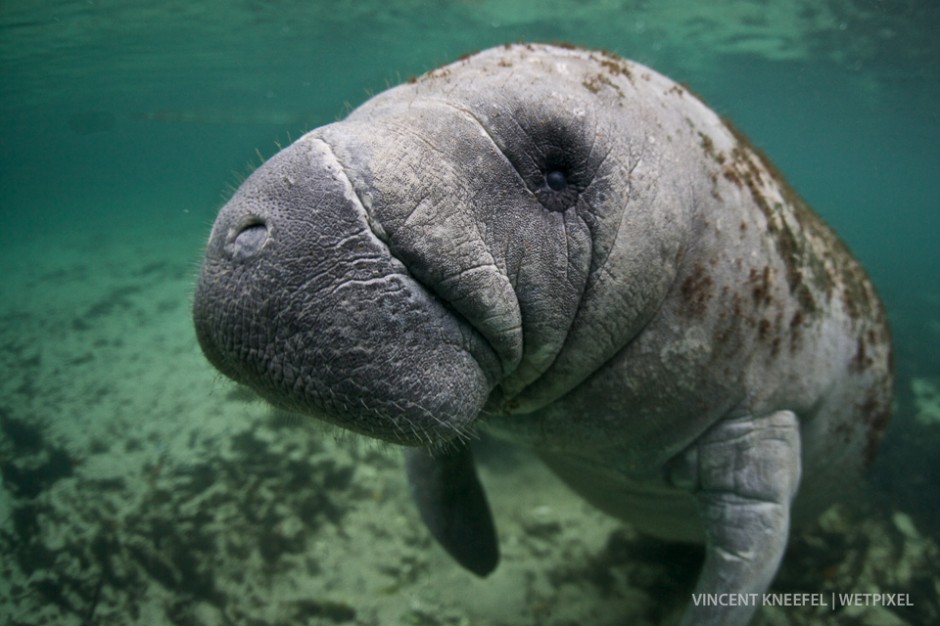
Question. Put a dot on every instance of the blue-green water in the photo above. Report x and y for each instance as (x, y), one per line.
(123, 124)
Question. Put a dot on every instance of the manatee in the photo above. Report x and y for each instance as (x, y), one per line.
(568, 251)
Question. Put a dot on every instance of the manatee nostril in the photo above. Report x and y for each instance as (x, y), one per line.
(249, 240)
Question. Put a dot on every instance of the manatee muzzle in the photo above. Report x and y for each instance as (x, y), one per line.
(299, 300)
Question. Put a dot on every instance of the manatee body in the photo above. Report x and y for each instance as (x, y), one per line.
(571, 252)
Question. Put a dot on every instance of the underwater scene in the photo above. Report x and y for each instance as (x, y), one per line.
(140, 486)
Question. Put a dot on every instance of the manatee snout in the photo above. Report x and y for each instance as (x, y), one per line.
(301, 301)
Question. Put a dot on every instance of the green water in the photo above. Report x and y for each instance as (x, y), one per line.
(124, 125)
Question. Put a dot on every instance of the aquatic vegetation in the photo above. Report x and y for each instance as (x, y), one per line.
(927, 400)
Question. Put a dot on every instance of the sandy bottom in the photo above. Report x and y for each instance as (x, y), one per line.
(141, 488)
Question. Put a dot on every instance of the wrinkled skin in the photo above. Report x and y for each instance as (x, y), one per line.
(572, 252)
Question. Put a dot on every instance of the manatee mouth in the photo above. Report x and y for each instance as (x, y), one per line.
(382, 358)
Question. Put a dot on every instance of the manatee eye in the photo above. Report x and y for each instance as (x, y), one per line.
(559, 189)
(556, 180)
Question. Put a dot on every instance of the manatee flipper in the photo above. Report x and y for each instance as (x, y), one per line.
(451, 502)
(744, 474)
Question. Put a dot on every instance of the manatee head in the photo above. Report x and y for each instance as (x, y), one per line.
(479, 240)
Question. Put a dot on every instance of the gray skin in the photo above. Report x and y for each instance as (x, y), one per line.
(571, 252)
